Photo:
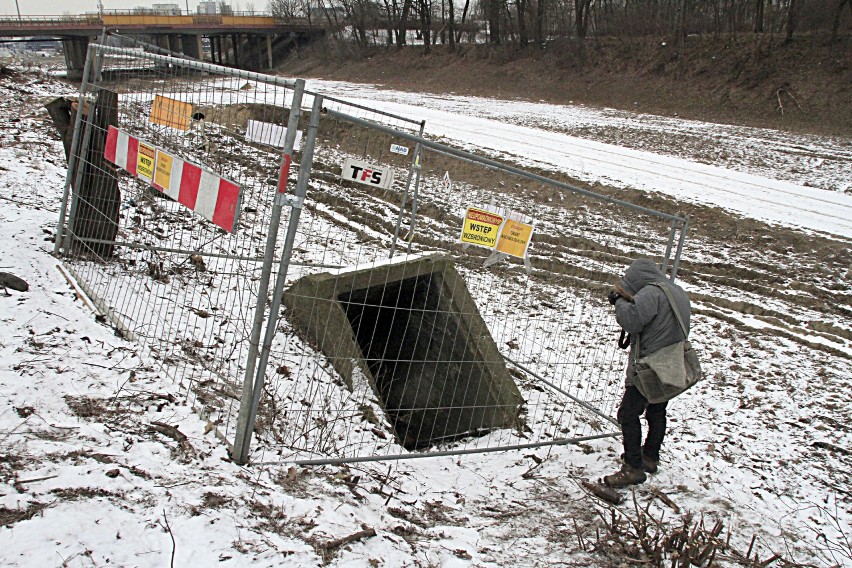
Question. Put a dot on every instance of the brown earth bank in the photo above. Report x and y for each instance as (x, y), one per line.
(754, 80)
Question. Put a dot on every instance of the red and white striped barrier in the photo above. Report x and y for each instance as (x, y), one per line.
(204, 192)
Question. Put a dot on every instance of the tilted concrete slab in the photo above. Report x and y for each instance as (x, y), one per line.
(415, 332)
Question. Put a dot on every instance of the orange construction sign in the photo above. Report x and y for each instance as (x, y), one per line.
(169, 112)
(515, 238)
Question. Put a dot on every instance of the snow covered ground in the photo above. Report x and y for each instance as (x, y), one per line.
(103, 462)
(797, 180)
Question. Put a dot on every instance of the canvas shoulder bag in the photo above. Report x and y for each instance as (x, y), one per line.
(667, 372)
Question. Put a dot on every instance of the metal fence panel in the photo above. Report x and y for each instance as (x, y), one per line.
(395, 339)
(358, 366)
(171, 214)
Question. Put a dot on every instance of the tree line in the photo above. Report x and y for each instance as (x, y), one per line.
(536, 22)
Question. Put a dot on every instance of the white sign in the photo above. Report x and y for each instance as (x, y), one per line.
(368, 174)
(399, 149)
(448, 184)
(270, 134)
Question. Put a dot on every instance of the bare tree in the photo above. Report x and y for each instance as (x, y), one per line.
(538, 22)
(528, 21)
(581, 17)
(425, 9)
(521, 9)
(402, 30)
(791, 20)
(285, 9)
(758, 16)
(364, 16)
(451, 25)
(391, 20)
(492, 15)
(838, 12)
(463, 18)
(679, 32)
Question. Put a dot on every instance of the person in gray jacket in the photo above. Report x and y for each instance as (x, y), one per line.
(643, 311)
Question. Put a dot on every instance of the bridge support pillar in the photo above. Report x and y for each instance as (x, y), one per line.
(175, 43)
(220, 49)
(235, 46)
(191, 46)
(75, 56)
(253, 53)
(161, 41)
(270, 63)
(224, 50)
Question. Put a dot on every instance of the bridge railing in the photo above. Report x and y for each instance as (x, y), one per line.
(151, 18)
(176, 12)
(49, 21)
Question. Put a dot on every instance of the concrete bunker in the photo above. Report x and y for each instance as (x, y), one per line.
(413, 330)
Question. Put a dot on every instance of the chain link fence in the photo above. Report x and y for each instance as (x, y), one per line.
(169, 219)
(398, 339)
(420, 300)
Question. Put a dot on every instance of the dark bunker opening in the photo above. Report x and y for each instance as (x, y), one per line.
(429, 355)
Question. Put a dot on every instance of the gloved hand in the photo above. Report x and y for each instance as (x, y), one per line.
(613, 297)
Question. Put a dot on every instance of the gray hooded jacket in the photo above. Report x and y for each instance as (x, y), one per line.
(650, 316)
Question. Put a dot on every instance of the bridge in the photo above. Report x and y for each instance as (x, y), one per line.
(243, 40)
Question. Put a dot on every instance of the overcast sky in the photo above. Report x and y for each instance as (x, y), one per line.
(58, 7)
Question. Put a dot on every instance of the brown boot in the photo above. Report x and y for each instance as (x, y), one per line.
(648, 464)
(626, 476)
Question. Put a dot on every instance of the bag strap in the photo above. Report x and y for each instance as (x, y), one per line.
(638, 350)
(662, 286)
(668, 294)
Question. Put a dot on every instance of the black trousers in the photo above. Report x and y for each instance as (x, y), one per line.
(633, 404)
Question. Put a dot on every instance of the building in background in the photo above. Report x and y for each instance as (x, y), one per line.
(212, 8)
(167, 9)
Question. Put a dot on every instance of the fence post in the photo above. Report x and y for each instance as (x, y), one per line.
(243, 430)
(97, 64)
(679, 251)
(413, 224)
(414, 163)
(240, 453)
(667, 256)
(72, 154)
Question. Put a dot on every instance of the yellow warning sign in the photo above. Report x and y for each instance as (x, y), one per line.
(515, 238)
(169, 112)
(163, 173)
(145, 161)
(480, 227)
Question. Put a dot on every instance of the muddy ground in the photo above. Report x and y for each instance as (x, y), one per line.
(803, 86)
(772, 307)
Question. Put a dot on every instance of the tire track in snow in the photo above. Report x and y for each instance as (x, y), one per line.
(538, 147)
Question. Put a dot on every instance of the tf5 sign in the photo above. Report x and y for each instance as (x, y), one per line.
(368, 174)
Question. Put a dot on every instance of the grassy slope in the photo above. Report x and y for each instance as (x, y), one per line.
(728, 79)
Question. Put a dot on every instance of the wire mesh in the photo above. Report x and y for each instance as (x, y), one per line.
(180, 274)
(397, 339)
(446, 347)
